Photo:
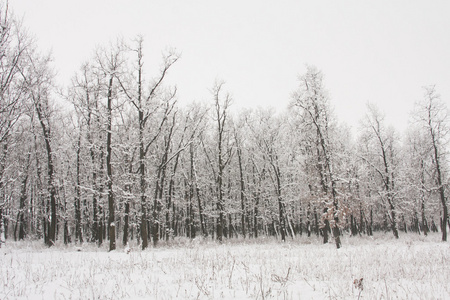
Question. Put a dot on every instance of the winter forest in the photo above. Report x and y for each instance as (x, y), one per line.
(113, 158)
(111, 187)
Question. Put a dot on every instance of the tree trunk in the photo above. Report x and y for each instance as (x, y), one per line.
(2, 190)
(95, 225)
(197, 190)
(100, 212)
(219, 205)
(45, 125)
(362, 228)
(256, 195)
(222, 159)
(308, 220)
(126, 221)
(169, 202)
(441, 189)
(392, 217)
(353, 226)
(316, 222)
(2, 228)
(281, 206)
(325, 228)
(109, 180)
(126, 225)
(157, 203)
(77, 204)
(23, 198)
(242, 191)
(20, 214)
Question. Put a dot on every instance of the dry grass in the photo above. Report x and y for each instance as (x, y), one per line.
(413, 267)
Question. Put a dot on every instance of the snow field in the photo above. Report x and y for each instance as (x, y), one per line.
(413, 267)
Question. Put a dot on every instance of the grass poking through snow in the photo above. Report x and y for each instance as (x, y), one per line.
(413, 267)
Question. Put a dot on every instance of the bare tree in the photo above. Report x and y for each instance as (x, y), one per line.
(417, 165)
(109, 64)
(149, 103)
(434, 117)
(14, 43)
(195, 126)
(384, 162)
(315, 111)
(267, 132)
(239, 141)
(85, 94)
(39, 90)
(224, 154)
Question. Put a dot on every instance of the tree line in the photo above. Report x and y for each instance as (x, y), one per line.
(114, 157)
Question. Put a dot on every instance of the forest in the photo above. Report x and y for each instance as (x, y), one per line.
(115, 158)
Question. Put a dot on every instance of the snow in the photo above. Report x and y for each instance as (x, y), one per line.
(413, 267)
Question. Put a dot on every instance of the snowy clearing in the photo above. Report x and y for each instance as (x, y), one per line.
(413, 267)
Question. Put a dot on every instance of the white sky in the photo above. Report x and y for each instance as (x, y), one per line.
(377, 51)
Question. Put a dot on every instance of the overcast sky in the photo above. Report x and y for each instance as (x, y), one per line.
(369, 51)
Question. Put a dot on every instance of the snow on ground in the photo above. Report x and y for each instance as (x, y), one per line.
(413, 267)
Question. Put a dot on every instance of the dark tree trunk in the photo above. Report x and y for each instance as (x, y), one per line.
(2, 228)
(434, 127)
(142, 183)
(281, 208)
(405, 227)
(370, 227)
(128, 194)
(2, 191)
(189, 195)
(300, 225)
(316, 222)
(441, 189)
(362, 228)
(157, 203)
(353, 225)
(256, 197)
(308, 220)
(5, 224)
(200, 210)
(255, 217)
(388, 186)
(100, 211)
(325, 228)
(66, 233)
(169, 201)
(45, 125)
(126, 223)
(222, 158)
(230, 227)
(77, 204)
(109, 180)
(160, 183)
(220, 224)
(242, 191)
(23, 198)
(95, 223)
(393, 220)
(424, 224)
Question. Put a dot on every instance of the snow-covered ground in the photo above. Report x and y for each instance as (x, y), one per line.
(413, 267)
